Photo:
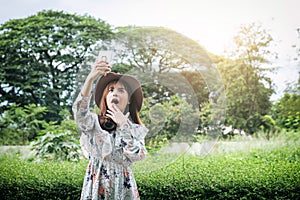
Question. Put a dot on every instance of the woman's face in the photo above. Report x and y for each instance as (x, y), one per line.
(118, 95)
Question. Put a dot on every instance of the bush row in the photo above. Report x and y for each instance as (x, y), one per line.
(259, 174)
(25, 180)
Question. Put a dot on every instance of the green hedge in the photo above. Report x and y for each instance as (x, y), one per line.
(272, 174)
(44, 180)
(260, 174)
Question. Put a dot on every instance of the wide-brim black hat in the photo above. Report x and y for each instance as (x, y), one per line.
(135, 93)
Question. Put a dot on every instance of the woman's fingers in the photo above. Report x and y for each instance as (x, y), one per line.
(104, 70)
(116, 107)
(117, 115)
(110, 112)
(102, 67)
(110, 116)
(101, 62)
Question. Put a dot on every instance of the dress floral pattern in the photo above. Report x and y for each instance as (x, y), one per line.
(108, 174)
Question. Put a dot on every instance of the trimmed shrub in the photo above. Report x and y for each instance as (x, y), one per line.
(259, 174)
(25, 180)
(269, 174)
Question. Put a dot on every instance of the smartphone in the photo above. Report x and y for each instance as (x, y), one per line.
(105, 55)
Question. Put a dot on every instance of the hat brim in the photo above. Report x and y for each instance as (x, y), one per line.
(135, 87)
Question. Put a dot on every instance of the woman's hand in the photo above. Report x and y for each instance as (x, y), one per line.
(99, 68)
(115, 114)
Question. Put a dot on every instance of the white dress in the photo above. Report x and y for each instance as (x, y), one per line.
(108, 175)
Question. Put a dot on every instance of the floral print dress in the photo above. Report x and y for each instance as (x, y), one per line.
(108, 175)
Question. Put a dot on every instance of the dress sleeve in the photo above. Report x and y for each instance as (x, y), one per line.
(82, 115)
(93, 140)
(132, 140)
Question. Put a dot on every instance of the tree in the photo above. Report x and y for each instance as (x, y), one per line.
(161, 58)
(248, 89)
(40, 57)
(158, 49)
(287, 112)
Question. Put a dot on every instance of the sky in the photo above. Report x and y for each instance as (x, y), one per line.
(212, 23)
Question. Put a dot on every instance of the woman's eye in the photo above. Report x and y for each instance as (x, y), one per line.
(121, 90)
(111, 89)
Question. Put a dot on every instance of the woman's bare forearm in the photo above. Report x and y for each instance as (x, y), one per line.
(87, 87)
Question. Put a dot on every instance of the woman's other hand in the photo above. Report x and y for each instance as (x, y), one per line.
(117, 116)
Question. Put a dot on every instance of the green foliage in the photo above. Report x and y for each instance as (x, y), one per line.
(290, 137)
(269, 126)
(20, 125)
(57, 146)
(174, 119)
(287, 112)
(155, 144)
(41, 55)
(205, 117)
(265, 173)
(158, 49)
(58, 142)
(121, 68)
(248, 90)
(161, 86)
(21, 179)
(270, 174)
(198, 84)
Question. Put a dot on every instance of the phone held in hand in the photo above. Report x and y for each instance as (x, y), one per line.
(105, 55)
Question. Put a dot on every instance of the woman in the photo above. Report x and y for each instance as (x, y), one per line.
(114, 139)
